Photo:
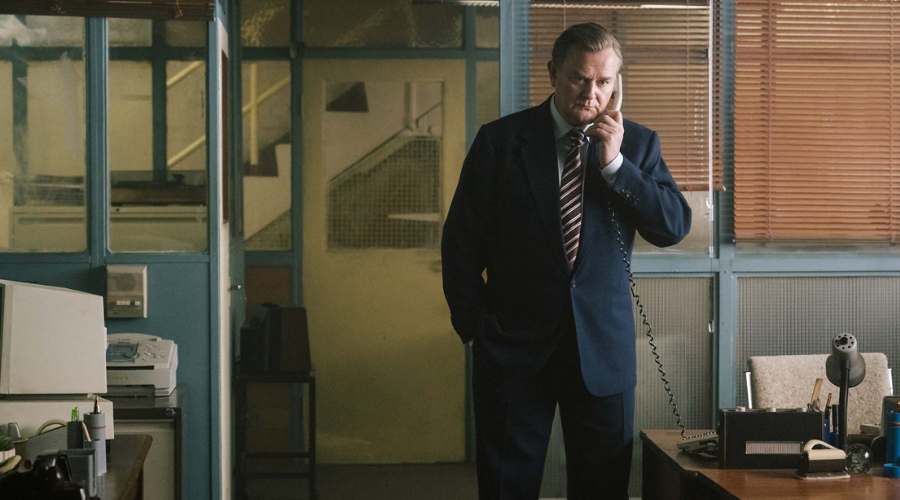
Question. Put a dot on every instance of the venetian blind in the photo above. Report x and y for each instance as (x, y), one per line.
(816, 121)
(666, 73)
(149, 9)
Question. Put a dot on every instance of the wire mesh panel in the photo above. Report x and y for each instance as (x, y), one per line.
(679, 311)
(783, 316)
(390, 203)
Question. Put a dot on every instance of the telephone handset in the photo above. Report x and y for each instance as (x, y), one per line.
(615, 102)
(618, 93)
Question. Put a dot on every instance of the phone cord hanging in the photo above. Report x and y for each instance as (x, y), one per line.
(646, 322)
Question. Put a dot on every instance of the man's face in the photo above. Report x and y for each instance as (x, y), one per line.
(584, 82)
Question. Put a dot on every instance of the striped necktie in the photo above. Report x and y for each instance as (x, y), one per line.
(570, 195)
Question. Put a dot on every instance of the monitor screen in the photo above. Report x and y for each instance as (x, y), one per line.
(52, 341)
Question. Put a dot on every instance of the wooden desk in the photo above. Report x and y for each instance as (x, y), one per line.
(671, 474)
(125, 467)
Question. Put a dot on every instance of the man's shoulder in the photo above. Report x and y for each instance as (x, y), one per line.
(636, 129)
(514, 122)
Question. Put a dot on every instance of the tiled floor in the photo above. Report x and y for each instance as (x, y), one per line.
(377, 482)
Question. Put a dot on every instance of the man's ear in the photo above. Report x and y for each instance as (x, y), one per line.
(552, 70)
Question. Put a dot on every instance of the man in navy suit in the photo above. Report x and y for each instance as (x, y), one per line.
(549, 316)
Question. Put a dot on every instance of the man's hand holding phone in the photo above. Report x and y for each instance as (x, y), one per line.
(607, 131)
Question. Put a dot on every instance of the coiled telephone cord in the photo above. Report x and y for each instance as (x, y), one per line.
(645, 321)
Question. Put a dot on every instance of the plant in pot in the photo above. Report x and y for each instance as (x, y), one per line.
(7, 449)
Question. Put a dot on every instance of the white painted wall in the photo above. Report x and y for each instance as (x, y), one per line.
(267, 197)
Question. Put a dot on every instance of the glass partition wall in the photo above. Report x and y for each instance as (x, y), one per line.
(156, 135)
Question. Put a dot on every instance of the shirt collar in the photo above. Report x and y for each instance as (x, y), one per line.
(560, 126)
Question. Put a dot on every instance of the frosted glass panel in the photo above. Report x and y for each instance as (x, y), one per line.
(265, 23)
(679, 311)
(186, 33)
(487, 27)
(382, 23)
(802, 315)
(42, 135)
(50, 31)
(130, 32)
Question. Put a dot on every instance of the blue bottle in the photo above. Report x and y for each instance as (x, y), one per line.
(834, 435)
(892, 446)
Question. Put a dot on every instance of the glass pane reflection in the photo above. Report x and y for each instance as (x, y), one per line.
(265, 23)
(42, 135)
(267, 155)
(157, 148)
(130, 32)
(382, 23)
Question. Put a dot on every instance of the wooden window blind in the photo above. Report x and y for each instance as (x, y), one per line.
(146, 9)
(666, 75)
(817, 121)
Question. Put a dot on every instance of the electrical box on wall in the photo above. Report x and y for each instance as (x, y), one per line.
(126, 291)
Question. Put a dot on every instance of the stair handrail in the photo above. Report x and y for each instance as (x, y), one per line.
(405, 131)
(200, 141)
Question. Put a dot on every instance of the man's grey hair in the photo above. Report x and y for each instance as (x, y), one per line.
(590, 37)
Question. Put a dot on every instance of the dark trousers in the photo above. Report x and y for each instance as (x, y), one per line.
(514, 416)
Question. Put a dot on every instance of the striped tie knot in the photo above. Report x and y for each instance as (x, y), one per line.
(575, 138)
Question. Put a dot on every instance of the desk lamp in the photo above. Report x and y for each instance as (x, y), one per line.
(845, 368)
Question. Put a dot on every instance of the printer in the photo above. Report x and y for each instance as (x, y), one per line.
(138, 364)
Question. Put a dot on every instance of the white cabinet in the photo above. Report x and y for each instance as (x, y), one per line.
(161, 419)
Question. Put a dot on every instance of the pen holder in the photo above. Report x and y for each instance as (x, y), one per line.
(892, 445)
(83, 468)
(74, 435)
(96, 427)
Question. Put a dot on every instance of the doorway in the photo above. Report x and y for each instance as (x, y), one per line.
(384, 141)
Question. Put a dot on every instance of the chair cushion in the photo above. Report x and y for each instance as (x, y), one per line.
(788, 382)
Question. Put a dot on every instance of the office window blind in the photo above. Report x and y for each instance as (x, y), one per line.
(816, 115)
(147, 9)
(666, 75)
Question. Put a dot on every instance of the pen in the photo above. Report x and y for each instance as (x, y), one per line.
(827, 434)
(814, 401)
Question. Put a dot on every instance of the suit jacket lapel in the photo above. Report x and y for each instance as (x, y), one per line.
(594, 211)
(541, 167)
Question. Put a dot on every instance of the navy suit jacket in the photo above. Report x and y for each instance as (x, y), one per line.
(505, 219)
